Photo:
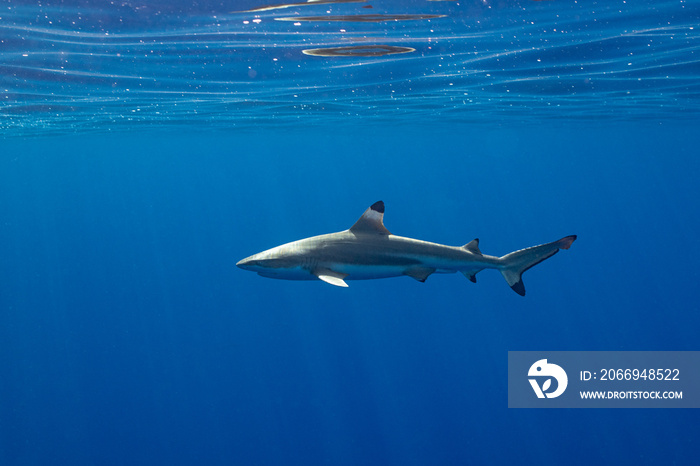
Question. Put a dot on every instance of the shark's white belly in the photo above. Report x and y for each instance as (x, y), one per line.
(353, 272)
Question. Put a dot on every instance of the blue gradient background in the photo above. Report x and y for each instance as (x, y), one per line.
(128, 336)
(146, 147)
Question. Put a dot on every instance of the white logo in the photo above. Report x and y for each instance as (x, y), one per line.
(543, 369)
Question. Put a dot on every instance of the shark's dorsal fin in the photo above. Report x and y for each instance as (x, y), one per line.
(372, 221)
(329, 276)
(473, 247)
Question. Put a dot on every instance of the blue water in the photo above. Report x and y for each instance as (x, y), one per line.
(145, 148)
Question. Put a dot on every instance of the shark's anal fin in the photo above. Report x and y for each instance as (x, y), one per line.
(419, 273)
(372, 221)
(329, 276)
(471, 274)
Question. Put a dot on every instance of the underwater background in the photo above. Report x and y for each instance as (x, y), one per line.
(146, 147)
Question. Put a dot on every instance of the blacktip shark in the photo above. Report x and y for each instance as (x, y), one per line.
(368, 250)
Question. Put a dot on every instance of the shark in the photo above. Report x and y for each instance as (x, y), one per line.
(368, 251)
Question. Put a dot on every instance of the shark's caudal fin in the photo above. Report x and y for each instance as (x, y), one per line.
(515, 263)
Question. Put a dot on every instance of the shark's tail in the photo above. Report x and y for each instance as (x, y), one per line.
(515, 263)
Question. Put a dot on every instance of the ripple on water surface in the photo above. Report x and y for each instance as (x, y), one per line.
(73, 67)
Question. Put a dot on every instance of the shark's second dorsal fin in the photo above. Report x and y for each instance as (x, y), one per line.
(473, 247)
(372, 221)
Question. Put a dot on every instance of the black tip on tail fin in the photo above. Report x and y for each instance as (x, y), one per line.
(518, 287)
(565, 243)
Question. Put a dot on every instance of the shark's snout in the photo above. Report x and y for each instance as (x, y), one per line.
(246, 263)
(255, 262)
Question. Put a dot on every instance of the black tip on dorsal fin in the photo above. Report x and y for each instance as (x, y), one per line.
(372, 221)
(473, 246)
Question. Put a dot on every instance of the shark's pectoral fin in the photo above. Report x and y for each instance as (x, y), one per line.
(333, 280)
(329, 276)
(419, 273)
